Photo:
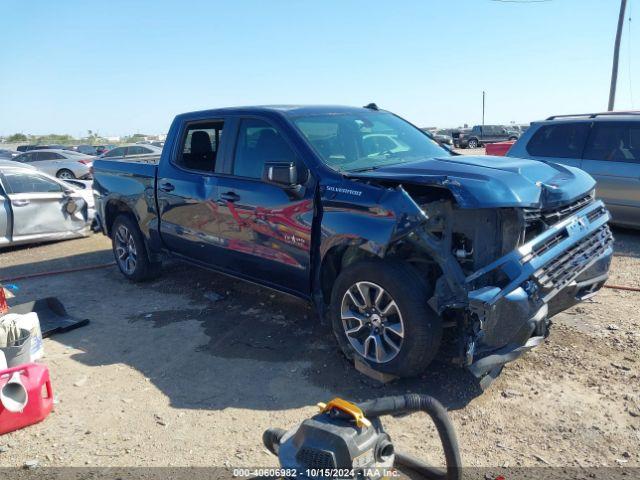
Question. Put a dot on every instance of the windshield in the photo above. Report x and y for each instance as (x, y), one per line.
(356, 142)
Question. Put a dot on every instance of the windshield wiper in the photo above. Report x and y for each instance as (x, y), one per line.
(364, 169)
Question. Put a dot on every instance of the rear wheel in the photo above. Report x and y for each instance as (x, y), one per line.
(380, 315)
(65, 174)
(130, 251)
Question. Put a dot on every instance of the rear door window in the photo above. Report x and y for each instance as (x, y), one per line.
(200, 146)
(563, 140)
(135, 151)
(616, 142)
(48, 156)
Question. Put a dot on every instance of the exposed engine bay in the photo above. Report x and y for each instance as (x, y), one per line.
(500, 274)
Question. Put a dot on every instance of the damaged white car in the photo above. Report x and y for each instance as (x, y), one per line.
(37, 207)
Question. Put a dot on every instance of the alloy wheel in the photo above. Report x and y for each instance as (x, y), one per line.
(126, 253)
(372, 322)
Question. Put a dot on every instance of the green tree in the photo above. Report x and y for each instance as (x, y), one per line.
(17, 137)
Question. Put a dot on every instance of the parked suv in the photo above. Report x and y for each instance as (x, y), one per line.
(606, 145)
(479, 135)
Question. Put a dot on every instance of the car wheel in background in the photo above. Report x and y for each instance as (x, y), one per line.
(130, 250)
(513, 139)
(472, 143)
(379, 314)
(65, 174)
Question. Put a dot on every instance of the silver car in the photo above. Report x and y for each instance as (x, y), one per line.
(605, 145)
(59, 163)
(37, 207)
(134, 152)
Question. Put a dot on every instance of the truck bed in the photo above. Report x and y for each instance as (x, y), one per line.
(130, 184)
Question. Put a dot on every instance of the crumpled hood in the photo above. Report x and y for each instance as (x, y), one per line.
(487, 182)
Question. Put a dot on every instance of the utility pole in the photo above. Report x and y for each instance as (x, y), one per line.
(483, 95)
(616, 54)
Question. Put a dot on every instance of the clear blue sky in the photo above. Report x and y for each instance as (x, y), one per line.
(126, 66)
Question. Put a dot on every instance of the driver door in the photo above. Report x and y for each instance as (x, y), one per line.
(41, 207)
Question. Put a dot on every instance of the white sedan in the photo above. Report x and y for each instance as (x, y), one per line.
(37, 207)
(59, 163)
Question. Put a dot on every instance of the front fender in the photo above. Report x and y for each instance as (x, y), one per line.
(358, 215)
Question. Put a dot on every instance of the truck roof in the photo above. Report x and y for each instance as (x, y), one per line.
(284, 110)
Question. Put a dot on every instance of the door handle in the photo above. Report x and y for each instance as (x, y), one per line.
(167, 187)
(230, 196)
(20, 203)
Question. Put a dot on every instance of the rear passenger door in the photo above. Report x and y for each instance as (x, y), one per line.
(559, 142)
(187, 191)
(265, 227)
(48, 162)
(612, 157)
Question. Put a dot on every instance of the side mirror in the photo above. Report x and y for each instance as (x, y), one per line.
(281, 173)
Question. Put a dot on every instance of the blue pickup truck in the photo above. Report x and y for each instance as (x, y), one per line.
(402, 246)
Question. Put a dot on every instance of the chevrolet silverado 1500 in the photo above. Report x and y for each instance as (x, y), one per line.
(401, 245)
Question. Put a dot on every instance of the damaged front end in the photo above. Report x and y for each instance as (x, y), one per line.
(502, 273)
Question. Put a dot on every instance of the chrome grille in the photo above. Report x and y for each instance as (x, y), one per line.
(564, 268)
(554, 215)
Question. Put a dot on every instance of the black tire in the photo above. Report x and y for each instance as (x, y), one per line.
(125, 233)
(422, 327)
(473, 143)
(65, 173)
(513, 139)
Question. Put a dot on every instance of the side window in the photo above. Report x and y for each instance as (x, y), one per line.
(200, 146)
(27, 183)
(135, 151)
(116, 152)
(25, 158)
(564, 140)
(47, 156)
(615, 142)
(259, 142)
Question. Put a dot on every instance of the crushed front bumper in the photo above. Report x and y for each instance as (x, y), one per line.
(562, 266)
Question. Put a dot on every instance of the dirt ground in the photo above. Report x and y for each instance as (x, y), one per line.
(188, 370)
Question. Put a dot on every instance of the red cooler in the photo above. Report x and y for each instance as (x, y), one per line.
(35, 378)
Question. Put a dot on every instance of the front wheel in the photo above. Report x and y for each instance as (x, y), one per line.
(380, 315)
(130, 251)
(473, 143)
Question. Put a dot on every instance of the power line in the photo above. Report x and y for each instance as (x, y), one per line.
(629, 57)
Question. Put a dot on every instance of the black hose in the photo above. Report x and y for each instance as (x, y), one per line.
(271, 439)
(422, 403)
